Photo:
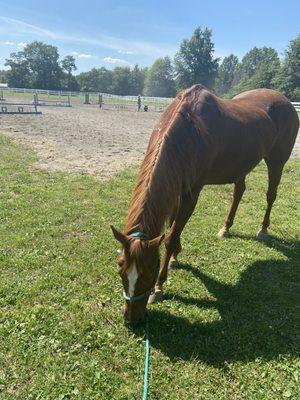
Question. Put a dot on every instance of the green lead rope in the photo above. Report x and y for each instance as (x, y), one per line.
(147, 360)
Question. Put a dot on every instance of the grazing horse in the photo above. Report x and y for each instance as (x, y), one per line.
(199, 140)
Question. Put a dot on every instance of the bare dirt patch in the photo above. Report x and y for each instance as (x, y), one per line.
(85, 139)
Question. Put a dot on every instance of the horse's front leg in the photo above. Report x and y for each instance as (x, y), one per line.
(173, 262)
(172, 241)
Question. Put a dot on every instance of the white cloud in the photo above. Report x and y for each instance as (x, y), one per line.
(22, 44)
(125, 52)
(24, 27)
(8, 43)
(115, 60)
(108, 42)
(82, 55)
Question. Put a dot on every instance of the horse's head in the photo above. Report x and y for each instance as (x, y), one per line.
(138, 267)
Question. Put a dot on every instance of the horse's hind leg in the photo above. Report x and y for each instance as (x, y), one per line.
(274, 172)
(238, 191)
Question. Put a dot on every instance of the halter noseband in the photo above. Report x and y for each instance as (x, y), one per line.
(132, 299)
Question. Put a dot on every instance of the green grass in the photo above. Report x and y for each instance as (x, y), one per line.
(229, 328)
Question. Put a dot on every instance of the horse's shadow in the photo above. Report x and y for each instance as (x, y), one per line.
(259, 316)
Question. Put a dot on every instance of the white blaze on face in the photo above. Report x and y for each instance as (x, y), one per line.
(132, 276)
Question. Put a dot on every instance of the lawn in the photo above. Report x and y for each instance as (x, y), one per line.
(228, 329)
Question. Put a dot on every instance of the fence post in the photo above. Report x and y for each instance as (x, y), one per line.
(87, 98)
(35, 100)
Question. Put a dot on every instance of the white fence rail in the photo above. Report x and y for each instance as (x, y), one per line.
(145, 99)
(148, 99)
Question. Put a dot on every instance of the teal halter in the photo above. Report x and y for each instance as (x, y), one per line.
(140, 235)
(132, 299)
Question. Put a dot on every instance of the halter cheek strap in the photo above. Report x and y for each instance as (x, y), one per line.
(132, 299)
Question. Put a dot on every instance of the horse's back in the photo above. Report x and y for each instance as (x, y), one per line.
(253, 125)
(276, 105)
(283, 115)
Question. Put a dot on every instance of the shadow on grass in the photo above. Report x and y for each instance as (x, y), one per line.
(259, 316)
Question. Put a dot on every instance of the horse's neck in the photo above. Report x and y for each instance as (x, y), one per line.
(159, 185)
(149, 214)
(150, 208)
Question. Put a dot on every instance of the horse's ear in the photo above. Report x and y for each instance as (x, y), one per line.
(156, 241)
(119, 236)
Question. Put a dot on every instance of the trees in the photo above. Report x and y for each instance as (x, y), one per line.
(121, 79)
(19, 74)
(257, 69)
(35, 67)
(287, 80)
(3, 74)
(258, 58)
(68, 65)
(227, 73)
(160, 80)
(194, 63)
(137, 80)
(95, 80)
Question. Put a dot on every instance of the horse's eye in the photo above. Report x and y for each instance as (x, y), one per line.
(120, 264)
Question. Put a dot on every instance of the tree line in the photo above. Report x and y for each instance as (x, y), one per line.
(38, 66)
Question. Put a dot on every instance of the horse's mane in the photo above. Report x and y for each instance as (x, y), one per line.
(170, 165)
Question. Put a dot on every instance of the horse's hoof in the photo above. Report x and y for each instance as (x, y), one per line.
(223, 233)
(262, 234)
(156, 297)
(173, 265)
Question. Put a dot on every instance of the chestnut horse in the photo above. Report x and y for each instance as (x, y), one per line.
(199, 140)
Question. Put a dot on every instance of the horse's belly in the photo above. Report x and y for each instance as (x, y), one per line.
(227, 170)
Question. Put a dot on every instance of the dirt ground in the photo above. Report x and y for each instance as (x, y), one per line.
(86, 139)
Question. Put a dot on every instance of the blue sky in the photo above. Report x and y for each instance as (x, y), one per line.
(123, 33)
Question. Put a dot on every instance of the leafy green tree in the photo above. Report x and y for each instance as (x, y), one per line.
(257, 58)
(68, 65)
(137, 80)
(96, 80)
(19, 73)
(89, 81)
(121, 81)
(257, 70)
(36, 66)
(227, 73)
(287, 80)
(105, 80)
(160, 79)
(3, 76)
(194, 63)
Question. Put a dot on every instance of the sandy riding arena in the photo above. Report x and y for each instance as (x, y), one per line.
(85, 139)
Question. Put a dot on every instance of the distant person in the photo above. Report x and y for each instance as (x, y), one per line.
(139, 102)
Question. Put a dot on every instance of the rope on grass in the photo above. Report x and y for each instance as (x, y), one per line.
(147, 360)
